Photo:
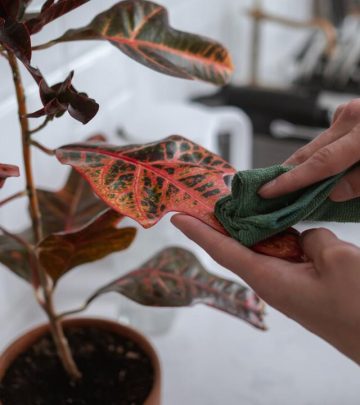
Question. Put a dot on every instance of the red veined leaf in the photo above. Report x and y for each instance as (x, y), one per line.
(63, 97)
(175, 278)
(15, 37)
(144, 182)
(7, 171)
(285, 245)
(70, 208)
(141, 30)
(50, 11)
(61, 252)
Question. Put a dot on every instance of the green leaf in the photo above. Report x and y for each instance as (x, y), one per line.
(144, 182)
(61, 252)
(175, 278)
(141, 30)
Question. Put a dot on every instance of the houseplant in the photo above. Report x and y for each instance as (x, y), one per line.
(74, 226)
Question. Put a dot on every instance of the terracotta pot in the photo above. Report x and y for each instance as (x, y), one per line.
(25, 341)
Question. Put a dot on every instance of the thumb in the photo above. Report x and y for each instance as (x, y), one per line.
(348, 188)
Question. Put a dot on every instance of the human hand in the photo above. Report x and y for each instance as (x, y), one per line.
(332, 152)
(323, 294)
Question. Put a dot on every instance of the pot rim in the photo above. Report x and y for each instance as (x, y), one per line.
(23, 342)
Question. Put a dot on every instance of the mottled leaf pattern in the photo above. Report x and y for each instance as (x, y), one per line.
(141, 30)
(52, 10)
(286, 245)
(61, 252)
(7, 171)
(175, 278)
(73, 206)
(144, 182)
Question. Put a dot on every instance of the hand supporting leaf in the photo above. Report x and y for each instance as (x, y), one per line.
(141, 30)
(175, 278)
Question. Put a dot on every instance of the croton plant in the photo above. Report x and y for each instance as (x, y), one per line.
(80, 223)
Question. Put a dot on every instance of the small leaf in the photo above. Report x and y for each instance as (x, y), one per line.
(61, 252)
(63, 97)
(15, 38)
(50, 11)
(141, 30)
(7, 171)
(144, 182)
(175, 278)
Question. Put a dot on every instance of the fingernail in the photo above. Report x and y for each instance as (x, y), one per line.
(267, 187)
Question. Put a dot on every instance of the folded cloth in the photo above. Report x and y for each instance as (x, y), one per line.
(250, 219)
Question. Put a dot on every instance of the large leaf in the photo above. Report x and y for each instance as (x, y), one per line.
(14, 254)
(144, 182)
(50, 11)
(7, 171)
(141, 30)
(71, 207)
(61, 252)
(175, 278)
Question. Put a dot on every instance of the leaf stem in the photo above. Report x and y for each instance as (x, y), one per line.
(50, 152)
(46, 285)
(40, 127)
(13, 197)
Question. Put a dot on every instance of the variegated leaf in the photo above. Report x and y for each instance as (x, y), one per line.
(61, 252)
(144, 182)
(175, 278)
(141, 30)
(7, 171)
(50, 11)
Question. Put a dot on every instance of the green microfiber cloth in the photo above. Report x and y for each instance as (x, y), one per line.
(250, 219)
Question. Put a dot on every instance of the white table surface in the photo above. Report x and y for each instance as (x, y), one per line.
(210, 358)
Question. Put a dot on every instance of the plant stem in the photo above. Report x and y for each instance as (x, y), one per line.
(13, 197)
(43, 148)
(57, 331)
(40, 127)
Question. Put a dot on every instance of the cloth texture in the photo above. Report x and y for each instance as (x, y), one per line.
(250, 219)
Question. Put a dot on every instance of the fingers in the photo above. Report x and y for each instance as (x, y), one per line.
(346, 117)
(348, 188)
(328, 161)
(273, 279)
(328, 253)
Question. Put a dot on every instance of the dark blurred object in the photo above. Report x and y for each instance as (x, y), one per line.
(338, 71)
(266, 105)
(335, 10)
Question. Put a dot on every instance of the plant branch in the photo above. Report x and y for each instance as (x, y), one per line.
(40, 127)
(50, 152)
(24, 124)
(13, 197)
(45, 284)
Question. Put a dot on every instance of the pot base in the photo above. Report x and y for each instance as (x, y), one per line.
(116, 370)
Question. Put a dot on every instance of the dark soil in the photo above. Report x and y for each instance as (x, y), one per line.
(115, 371)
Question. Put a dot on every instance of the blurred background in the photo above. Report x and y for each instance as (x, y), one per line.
(296, 61)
